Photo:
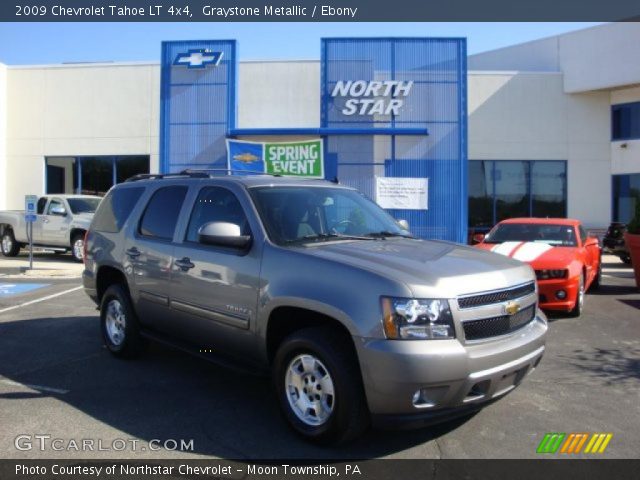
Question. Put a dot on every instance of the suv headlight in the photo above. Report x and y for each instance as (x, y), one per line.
(412, 319)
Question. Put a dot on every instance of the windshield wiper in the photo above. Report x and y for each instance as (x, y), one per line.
(326, 236)
(386, 233)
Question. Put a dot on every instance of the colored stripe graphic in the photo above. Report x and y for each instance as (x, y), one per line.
(572, 443)
(551, 442)
(598, 443)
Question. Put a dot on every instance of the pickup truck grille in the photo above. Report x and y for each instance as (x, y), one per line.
(492, 327)
(497, 296)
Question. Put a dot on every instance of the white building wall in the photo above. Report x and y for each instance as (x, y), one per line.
(527, 116)
(77, 110)
(535, 56)
(279, 94)
(601, 57)
(625, 154)
(3, 136)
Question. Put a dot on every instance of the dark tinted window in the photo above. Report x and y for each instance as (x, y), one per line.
(115, 208)
(512, 189)
(215, 204)
(83, 204)
(557, 235)
(480, 194)
(548, 189)
(625, 121)
(626, 195)
(42, 202)
(161, 215)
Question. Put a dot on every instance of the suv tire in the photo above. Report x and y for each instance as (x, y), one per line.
(319, 387)
(119, 323)
(10, 248)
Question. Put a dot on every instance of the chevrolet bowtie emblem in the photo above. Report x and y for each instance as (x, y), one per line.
(511, 308)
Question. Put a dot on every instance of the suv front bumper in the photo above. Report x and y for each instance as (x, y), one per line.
(455, 378)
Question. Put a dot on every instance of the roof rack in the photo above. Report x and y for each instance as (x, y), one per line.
(227, 171)
(156, 176)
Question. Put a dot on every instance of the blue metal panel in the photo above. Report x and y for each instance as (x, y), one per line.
(198, 104)
(436, 102)
(328, 131)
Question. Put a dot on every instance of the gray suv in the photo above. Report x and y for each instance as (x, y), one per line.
(357, 321)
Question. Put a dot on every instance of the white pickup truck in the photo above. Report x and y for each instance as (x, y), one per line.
(60, 225)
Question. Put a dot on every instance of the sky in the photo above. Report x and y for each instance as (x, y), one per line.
(45, 43)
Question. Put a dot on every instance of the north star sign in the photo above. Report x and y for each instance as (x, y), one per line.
(386, 97)
(198, 58)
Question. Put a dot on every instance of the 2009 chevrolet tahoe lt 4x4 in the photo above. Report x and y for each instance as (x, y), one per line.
(355, 319)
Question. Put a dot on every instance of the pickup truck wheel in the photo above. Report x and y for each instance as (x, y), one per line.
(119, 323)
(317, 380)
(77, 247)
(10, 248)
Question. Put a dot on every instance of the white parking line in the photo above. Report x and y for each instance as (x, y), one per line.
(34, 387)
(42, 299)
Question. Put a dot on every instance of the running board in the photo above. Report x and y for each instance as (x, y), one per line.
(213, 357)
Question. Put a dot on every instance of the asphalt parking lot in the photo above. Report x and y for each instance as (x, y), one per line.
(57, 379)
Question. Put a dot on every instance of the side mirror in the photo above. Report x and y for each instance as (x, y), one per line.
(60, 211)
(478, 237)
(404, 224)
(223, 234)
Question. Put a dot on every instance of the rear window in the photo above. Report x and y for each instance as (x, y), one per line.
(115, 208)
(161, 215)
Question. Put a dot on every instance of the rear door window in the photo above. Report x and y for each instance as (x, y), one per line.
(161, 215)
(115, 208)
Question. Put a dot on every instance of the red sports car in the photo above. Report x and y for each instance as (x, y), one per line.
(566, 260)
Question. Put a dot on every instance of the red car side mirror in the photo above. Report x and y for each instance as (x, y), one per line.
(478, 237)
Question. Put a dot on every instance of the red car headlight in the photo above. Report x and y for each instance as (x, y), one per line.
(547, 274)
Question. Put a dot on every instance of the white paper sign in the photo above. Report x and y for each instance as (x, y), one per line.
(402, 193)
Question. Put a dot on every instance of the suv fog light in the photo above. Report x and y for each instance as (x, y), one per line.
(561, 294)
(428, 397)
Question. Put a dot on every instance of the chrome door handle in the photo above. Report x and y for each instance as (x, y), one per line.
(133, 252)
(185, 264)
(45, 220)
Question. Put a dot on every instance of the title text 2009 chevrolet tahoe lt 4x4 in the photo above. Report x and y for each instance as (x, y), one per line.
(356, 320)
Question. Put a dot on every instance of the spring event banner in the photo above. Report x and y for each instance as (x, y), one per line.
(300, 159)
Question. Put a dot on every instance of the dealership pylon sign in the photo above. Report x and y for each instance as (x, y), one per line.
(298, 159)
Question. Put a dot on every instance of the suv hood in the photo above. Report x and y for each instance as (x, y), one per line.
(428, 268)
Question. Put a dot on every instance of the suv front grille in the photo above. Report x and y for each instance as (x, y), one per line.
(492, 327)
(497, 296)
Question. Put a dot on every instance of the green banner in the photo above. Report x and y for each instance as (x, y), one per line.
(301, 159)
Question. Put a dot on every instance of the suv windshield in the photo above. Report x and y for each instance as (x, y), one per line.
(83, 205)
(299, 214)
(560, 235)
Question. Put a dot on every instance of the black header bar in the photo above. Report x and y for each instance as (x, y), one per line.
(317, 10)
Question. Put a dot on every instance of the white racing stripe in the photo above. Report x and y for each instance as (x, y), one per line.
(41, 299)
(530, 251)
(505, 248)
